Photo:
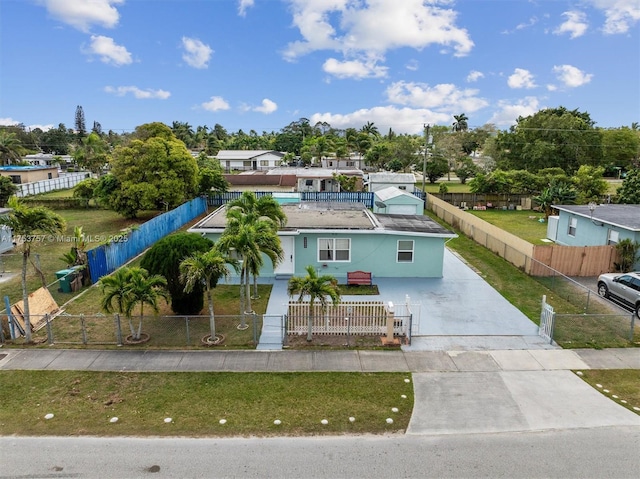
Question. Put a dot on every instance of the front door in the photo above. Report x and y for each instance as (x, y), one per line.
(288, 263)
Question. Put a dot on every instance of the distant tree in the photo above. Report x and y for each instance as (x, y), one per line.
(316, 288)
(347, 183)
(370, 129)
(86, 189)
(465, 169)
(395, 165)
(92, 153)
(155, 173)
(97, 128)
(81, 128)
(56, 140)
(105, 187)
(621, 147)
(164, 258)
(557, 193)
(589, 184)
(629, 192)
(10, 147)
(7, 190)
(436, 167)
(26, 222)
(461, 122)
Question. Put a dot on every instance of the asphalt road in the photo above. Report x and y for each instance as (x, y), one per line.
(579, 453)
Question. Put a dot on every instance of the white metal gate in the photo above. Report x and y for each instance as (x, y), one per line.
(547, 320)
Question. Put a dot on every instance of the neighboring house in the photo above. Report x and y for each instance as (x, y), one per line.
(402, 181)
(394, 201)
(244, 160)
(28, 174)
(336, 238)
(6, 240)
(319, 179)
(351, 162)
(47, 159)
(261, 181)
(596, 225)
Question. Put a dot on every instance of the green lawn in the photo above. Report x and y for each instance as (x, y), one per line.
(623, 383)
(84, 402)
(524, 224)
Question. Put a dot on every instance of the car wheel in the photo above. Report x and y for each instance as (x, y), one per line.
(603, 290)
(638, 310)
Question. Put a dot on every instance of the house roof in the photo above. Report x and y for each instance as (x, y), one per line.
(387, 177)
(622, 216)
(315, 172)
(309, 216)
(245, 154)
(391, 192)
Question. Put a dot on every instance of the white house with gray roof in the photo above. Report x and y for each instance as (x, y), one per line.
(381, 180)
(392, 200)
(243, 160)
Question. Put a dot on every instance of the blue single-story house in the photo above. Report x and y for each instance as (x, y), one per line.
(337, 238)
(594, 225)
(394, 201)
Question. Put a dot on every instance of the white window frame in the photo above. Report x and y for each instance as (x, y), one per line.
(404, 250)
(573, 226)
(264, 162)
(330, 245)
(613, 236)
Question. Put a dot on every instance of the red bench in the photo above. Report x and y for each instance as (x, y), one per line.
(359, 277)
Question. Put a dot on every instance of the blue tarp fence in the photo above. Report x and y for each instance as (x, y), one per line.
(106, 258)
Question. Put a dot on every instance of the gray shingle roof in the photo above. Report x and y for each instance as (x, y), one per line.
(623, 216)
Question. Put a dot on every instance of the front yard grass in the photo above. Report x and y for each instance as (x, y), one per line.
(523, 224)
(622, 383)
(84, 402)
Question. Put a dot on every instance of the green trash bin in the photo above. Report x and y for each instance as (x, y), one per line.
(65, 276)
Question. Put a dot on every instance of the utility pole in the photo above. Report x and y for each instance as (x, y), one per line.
(426, 149)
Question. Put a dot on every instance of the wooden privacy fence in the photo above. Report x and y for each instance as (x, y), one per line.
(581, 261)
(357, 318)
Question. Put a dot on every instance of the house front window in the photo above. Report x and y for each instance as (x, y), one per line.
(573, 224)
(613, 237)
(405, 251)
(334, 249)
(264, 162)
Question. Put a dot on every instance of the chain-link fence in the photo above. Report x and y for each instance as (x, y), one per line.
(66, 330)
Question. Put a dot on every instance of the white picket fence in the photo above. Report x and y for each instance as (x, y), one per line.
(356, 318)
(68, 180)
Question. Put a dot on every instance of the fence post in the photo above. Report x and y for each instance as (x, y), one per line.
(633, 323)
(186, 320)
(285, 336)
(116, 319)
(255, 328)
(49, 330)
(84, 330)
(390, 320)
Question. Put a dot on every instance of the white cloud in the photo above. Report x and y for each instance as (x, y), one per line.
(575, 24)
(374, 27)
(444, 96)
(413, 65)
(507, 113)
(138, 93)
(266, 107)
(243, 5)
(197, 54)
(474, 76)
(521, 78)
(108, 51)
(354, 69)
(571, 76)
(82, 14)
(402, 120)
(620, 15)
(215, 103)
(8, 122)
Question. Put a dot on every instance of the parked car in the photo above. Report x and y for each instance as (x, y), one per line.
(623, 288)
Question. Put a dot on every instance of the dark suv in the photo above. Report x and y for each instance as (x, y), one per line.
(624, 288)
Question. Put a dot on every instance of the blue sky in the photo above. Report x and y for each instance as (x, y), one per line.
(261, 64)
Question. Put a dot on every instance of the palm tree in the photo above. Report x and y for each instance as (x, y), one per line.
(248, 240)
(26, 222)
(115, 288)
(143, 289)
(461, 122)
(205, 269)
(370, 129)
(10, 147)
(321, 288)
(92, 153)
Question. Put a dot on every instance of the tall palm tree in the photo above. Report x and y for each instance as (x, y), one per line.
(461, 122)
(370, 129)
(115, 288)
(144, 289)
(321, 288)
(92, 153)
(265, 207)
(205, 269)
(25, 223)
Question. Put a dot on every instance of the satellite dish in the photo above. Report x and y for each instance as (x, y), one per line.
(380, 204)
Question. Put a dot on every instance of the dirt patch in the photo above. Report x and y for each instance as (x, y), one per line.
(299, 341)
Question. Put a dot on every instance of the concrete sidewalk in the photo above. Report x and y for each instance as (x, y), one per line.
(334, 360)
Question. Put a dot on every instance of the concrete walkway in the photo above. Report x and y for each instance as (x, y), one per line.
(455, 391)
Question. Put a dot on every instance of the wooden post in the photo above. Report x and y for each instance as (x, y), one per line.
(389, 339)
